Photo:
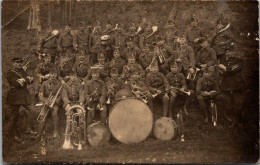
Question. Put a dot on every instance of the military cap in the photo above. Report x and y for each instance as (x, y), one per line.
(53, 70)
(94, 70)
(131, 56)
(194, 19)
(174, 64)
(104, 37)
(113, 70)
(201, 40)
(81, 24)
(170, 21)
(17, 59)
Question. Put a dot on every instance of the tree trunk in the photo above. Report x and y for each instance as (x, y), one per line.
(49, 13)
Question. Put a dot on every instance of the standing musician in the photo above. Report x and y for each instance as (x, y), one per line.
(221, 41)
(193, 34)
(171, 34)
(207, 89)
(109, 31)
(120, 38)
(117, 61)
(95, 95)
(157, 83)
(232, 84)
(131, 49)
(133, 35)
(147, 37)
(130, 68)
(95, 36)
(103, 48)
(102, 66)
(113, 85)
(48, 44)
(42, 74)
(82, 66)
(50, 88)
(140, 90)
(19, 95)
(72, 92)
(65, 41)
(81, 39)
(177, 81)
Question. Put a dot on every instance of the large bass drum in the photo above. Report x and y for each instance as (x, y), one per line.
(98, 134)
(164, 128)
(130, 121)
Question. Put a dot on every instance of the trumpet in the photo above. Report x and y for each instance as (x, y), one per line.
(138, 30)
(189, 76)
(155, 29)
(46, 107)
(140, 94)
(75, 133)
(160, 55)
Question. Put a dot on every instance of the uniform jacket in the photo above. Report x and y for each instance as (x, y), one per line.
(129, 69)
(170, 36)
(81, 39)
(72, 92)
(206, 84)
(114, 85)
(50, 87)
(50, 44)
(82, 69)
(176, 80)
(43, 68)
(145, 59)
(232, 79)
(155, 80)
(127, 52)
(134, 38)
(167, 51)
(144, 40)
(65, 68)
(117, 63)
(106, 50)
(18, 95)
(95, 89)
(186, 54)
(65, 40)
(104, 71)
(221, 42)
(192, 33)
(94, 38)
(206, 56)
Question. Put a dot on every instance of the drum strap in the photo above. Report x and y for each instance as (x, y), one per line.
(93, 124)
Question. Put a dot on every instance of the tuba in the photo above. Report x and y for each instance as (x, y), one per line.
(75, 133)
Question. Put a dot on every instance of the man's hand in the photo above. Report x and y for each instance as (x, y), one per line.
(203, 65)
(25, 68)
(234, 67)
(179, 60)
(158, 92)
(46, 76)
(30, 78)
(81, 104)
(212, 92)
(205, 93)
(166, 96)
(21, 81)
(191, 70)
(67, 108)
(222, 67)
(62, 82)
(196, 40)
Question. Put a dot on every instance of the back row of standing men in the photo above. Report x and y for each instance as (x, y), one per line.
(93, 66)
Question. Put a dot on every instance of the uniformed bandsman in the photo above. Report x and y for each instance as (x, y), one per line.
(82, 67)
(95, 36)
(95, 95)
(146, 57)
(102, 66)
(81, 39)
(131, 49)
(117, 61)
(103, 48)
(65, 41)
(171, 35)
(133, 36)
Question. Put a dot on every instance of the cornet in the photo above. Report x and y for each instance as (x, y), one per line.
(140, 94)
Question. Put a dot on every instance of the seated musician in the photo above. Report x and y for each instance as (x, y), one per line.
(82, 67)
(113, 85)
(95, 95)
(117, 61)
(178, 83)
(50, 88)
(139, 89)
(72, 92)
(130, 68)
(146, 57)
(206, 90)
(42, 73)
(157, 83)
(102, 66)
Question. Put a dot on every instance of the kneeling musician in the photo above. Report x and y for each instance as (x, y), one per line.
(95, 93)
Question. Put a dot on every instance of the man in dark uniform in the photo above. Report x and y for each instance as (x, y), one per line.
(206, 89)
(130, 50)
(132, 35)
(95, 95)
(120, 38)
(109, 31)
(102, 66)
(146, 37)
(171, 35)
(103, 48)
(221, 41)
(146, 57)
(42, 73)
(156, 83)
(233, 84)
(48, 44)
(117, 61)
(81, 39)
(82, 67)
(194, 34)
(95, 36)
(65, 41)
(19, 95)
(177, 81)
(113, 85)
(51, 88)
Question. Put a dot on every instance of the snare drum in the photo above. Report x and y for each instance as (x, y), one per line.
(98, 134)
(130, 121)
(164, 128)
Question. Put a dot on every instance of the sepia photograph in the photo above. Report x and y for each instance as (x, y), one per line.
(129, 81)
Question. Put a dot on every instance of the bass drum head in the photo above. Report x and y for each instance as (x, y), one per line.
(164, 128)
(98, 134)
(130, 121)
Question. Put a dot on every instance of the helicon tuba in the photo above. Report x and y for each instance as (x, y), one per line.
(75, 133)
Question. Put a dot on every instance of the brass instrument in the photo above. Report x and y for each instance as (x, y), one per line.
(54, 34)
(179, 90)
(189, 76)
(109, 92)
(155, 29)
(46, 107)
(75, 133)
(112, 29)
(138, 30)
(140, 94)
(213, 40)
(160, 55)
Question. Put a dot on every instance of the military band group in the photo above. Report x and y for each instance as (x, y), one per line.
(90, 66)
